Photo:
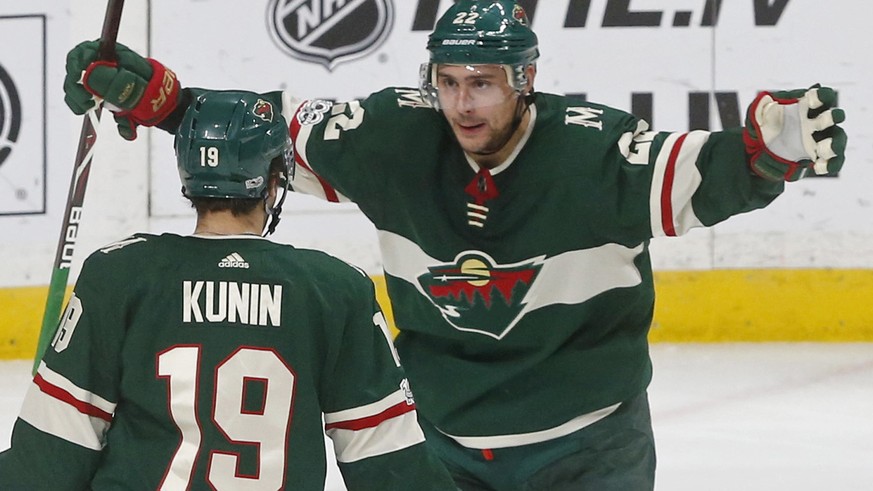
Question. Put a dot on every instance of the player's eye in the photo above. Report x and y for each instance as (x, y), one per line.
(449, 83)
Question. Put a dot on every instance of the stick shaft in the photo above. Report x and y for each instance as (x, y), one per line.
(76, 194)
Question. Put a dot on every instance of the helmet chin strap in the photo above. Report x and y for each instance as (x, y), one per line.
(274, 212)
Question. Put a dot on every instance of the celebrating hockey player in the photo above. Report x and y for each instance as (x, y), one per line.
(514, 227)
(209, 361)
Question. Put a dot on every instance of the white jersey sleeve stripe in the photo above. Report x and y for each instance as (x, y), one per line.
(63, 383)
(306, 180)
(674, 182)
(58, 417)
(64, 396)
(397, 432)
(385, 426)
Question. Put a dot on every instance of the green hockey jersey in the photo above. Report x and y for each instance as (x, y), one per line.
(523, 294)
(218, 363)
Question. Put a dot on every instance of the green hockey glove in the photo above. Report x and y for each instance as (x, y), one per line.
(789, 133)
(137, 90)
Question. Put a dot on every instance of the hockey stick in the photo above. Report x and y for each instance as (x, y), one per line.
(76, 195)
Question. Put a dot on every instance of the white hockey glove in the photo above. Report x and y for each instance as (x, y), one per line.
(789, 133)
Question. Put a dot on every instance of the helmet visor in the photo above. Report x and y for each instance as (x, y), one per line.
(466, 87)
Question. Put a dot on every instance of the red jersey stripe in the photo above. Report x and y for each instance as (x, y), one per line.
(667, 189)
(374, 420)
(64, 396)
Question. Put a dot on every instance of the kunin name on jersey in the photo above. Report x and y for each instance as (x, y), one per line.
(232, 302)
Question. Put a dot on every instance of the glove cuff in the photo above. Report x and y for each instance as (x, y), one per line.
(159, 99)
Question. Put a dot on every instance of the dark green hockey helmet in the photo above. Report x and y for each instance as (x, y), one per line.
(226, 142)
(480, 32)
(477, 32)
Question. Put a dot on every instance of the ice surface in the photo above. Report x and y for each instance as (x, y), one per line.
(756, 417)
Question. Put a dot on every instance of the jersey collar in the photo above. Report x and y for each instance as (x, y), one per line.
(223, 237)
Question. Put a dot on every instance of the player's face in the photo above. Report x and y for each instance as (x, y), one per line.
(479, 105)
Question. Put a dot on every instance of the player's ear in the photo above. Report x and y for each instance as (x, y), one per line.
(531, 72)
(273, 187)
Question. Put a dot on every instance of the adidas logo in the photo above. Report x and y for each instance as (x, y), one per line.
(233, 261)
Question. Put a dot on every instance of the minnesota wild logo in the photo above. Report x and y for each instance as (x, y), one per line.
(476, 294)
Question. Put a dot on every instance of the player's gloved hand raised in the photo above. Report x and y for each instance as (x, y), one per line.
(789, 133)
(137, 90)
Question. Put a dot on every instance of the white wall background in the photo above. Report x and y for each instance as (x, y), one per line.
(822, 222)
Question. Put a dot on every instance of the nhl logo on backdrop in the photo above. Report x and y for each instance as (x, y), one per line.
(10, 115)
(329, 32)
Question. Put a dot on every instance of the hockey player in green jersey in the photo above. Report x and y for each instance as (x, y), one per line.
(514, 227)
(209, 361)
